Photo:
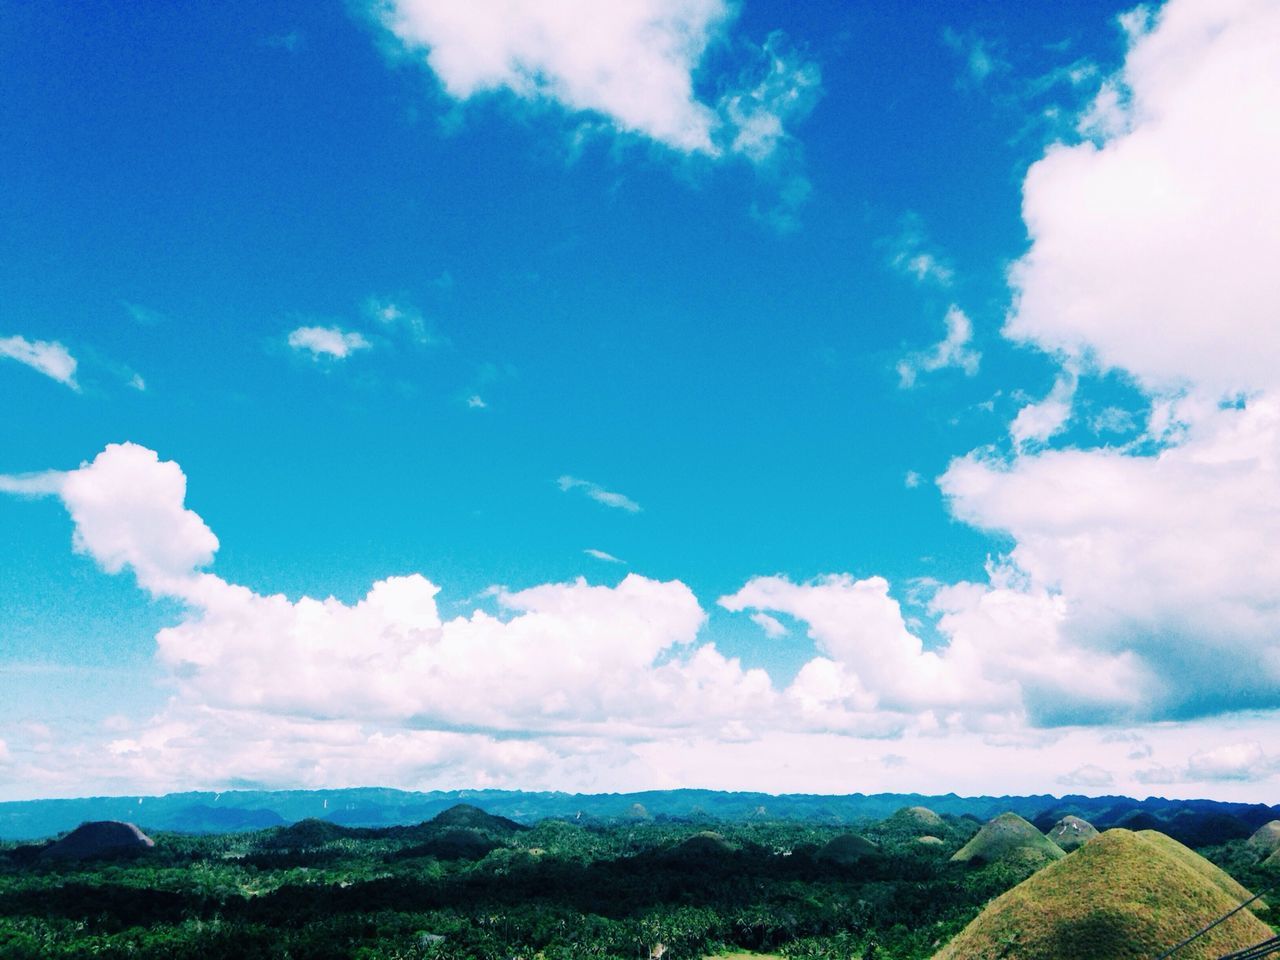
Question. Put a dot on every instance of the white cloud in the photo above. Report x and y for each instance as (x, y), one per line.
(980, 60)
(566, 657)
(1153, 246)
(1233, 761)
(332, 342)
(631, 62)
(50, 358)
(758, 112)
(912, 256)
(598, 493)
(911, 480)
(1168, 556)
(952, 351)
(31, 484)
(137, 383)
(772, 627)
(601, 555)
(476, 402)
(1090, 775)
(1037, 422)
(397, 314)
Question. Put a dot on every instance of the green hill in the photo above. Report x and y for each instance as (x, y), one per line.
(1266, 838)
(700, 846)
(1008, 838)
(848, 848)
(1119, 897)
(921, 818)
(465, 815)
(1071, 832)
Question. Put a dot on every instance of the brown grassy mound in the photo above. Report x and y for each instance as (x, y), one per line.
(1119, 897)
(1210, 871)
(1071, 832)
(1008, 838)
(1266, 839)
(920, 820)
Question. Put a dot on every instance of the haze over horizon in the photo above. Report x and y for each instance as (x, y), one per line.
(563, 396)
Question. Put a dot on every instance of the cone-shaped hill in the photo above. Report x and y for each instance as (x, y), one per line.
(465, 815)
(1207, 869)
(99, 838)
(1266, 839)
(305, 835)
(848, 848)
(1071, 832)
(1118, 897)
(1008, 839)
(915, 822)
(701, 846)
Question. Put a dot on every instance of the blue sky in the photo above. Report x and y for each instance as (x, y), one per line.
(894, 359)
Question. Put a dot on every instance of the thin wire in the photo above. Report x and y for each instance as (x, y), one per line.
(1259, 950)
(1203, 930)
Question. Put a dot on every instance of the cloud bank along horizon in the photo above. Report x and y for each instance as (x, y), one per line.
(1124, 640)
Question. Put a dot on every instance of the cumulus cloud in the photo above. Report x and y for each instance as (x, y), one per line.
(953, 350)
(331, 342)
(569, 658)
(1232, 761)
(1152, 244)
(50, 358)
(1167, 555)
(599, 494)
(632, 63)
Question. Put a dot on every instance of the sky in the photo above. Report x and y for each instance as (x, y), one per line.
(824, 397)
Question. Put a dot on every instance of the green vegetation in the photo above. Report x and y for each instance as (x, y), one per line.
(1123, 895)
(470, 885)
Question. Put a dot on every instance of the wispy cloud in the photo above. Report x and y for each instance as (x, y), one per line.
(910, 253)
(476, 402)
(48, 357)
(41, 484)
(399, 314)
(981, 61)
(598, 493)
(953, 350)
(332, 342)
(773, 627)
(601, 555)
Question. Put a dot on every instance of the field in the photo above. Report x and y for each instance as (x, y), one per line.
(468, 885)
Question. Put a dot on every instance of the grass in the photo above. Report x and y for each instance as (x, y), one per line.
(1120, 897)
(1008, 837)
(1210, 871)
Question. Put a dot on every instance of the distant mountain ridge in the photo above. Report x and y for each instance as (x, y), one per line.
(231, 811)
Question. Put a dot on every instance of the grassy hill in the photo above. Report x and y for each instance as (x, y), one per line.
(1071, 832)
(848, 848)
(1123, 896)
(1192, 860)
(1008, 838)
(1266, 838)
